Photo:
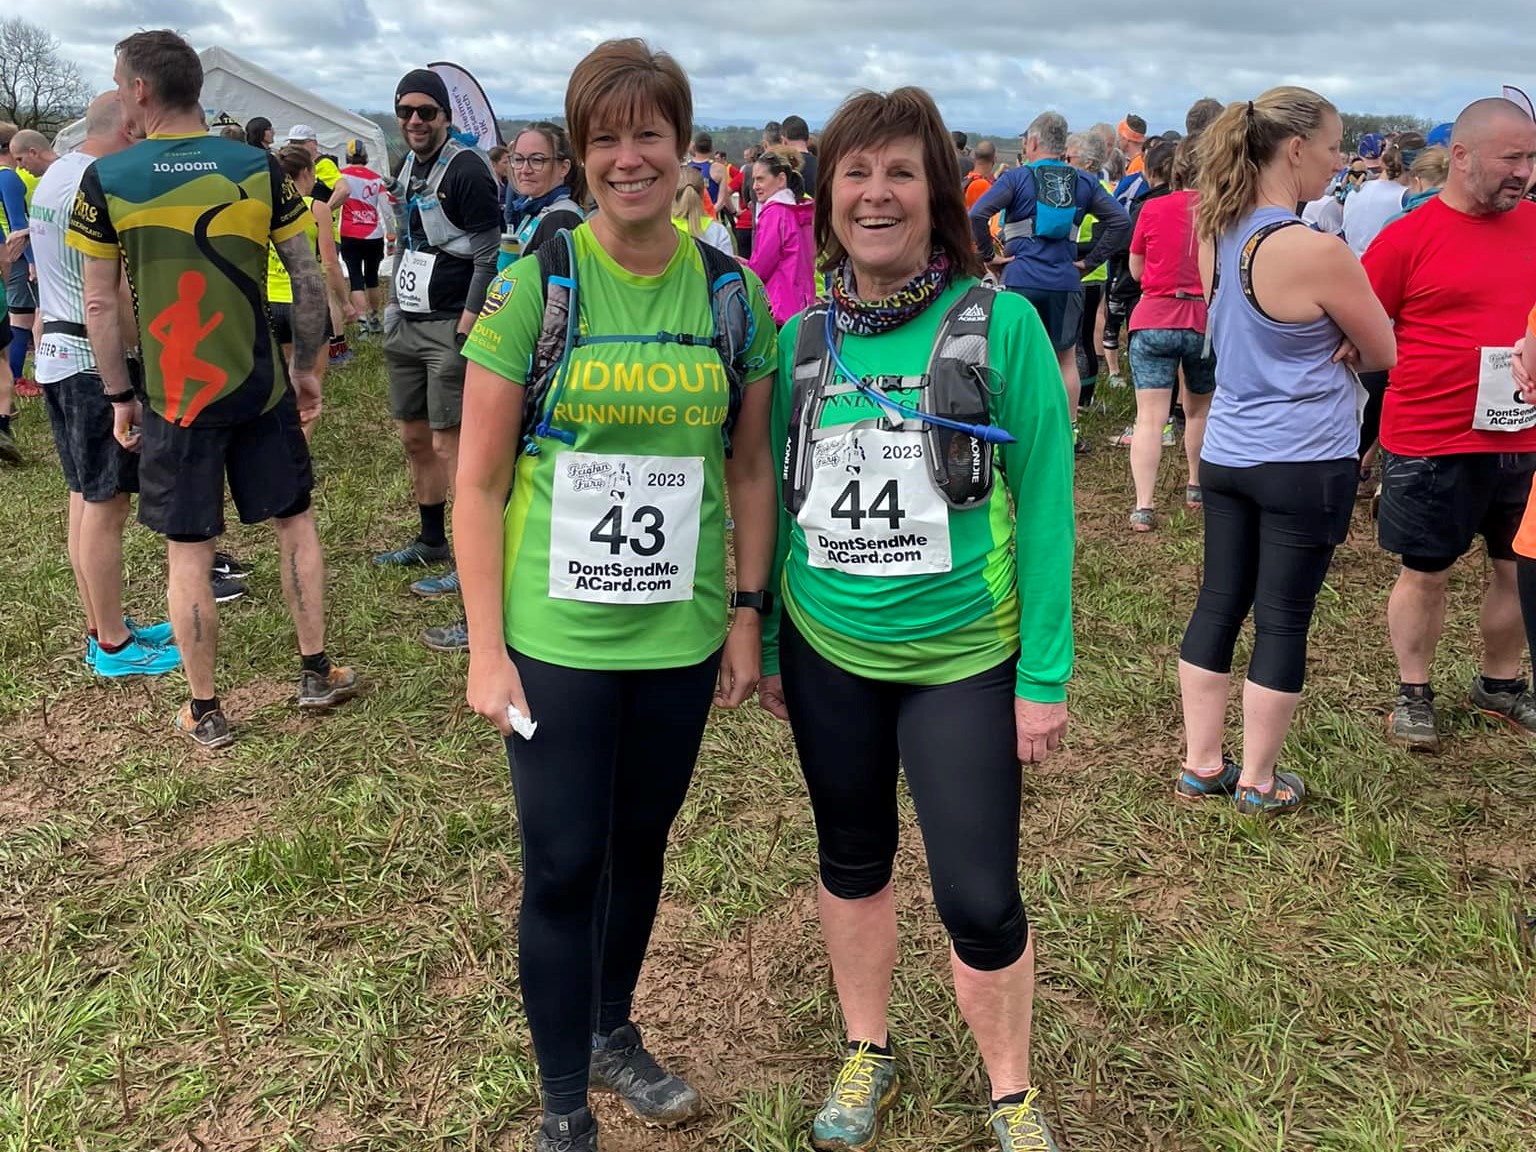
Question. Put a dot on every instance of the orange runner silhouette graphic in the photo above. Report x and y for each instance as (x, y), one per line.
(180, 329)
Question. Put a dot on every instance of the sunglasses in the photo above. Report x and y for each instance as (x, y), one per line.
(426, 113)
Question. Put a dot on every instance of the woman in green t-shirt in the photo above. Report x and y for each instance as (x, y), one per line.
(924, 624)
(594, 577)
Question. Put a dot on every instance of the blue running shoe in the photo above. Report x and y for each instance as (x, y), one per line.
(155, 635)
(137, 659)
(414, 553)
(91, 650)
(1195, 786)
(435, 587)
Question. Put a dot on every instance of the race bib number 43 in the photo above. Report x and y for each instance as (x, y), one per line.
(872, 510)
(625, 529)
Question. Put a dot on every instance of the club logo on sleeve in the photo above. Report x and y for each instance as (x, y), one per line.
(498, 294)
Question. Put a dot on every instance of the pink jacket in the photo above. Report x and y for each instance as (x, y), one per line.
(784, 254)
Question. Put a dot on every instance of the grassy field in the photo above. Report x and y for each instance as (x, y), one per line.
(305, 942)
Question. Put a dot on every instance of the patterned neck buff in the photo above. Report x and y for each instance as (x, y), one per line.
(872, 317)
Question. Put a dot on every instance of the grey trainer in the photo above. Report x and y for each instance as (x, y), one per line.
(624, 1067)
(1412, 724)
(574, 1132)
(1517, 709)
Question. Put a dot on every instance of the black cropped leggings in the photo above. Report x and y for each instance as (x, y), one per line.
(597, 790)
(1270, 532)
(957, 743)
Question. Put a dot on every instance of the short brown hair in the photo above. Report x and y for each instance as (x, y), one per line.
(870, 119)
(7, 130)
(167, 64)
(620, 81)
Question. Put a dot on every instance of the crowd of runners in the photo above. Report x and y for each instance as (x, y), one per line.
(862, 355)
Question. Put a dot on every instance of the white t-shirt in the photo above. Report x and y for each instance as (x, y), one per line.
(60, 270)
(1325, 215)
(1368, 209)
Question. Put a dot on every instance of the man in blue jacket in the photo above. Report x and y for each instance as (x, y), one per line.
(1045, 200)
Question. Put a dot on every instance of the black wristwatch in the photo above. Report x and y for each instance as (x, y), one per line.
(762, 601)
(123, 397)
(459, 338)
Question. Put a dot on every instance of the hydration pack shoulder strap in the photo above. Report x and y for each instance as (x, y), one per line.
(734, 329)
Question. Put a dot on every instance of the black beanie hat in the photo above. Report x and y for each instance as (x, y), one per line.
(428, 83)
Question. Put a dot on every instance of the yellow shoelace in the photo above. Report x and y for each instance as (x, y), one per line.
(856, 1082)
(1020, 1123)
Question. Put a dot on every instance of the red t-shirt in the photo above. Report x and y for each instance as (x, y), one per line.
(1453, 285)
(1165, 235)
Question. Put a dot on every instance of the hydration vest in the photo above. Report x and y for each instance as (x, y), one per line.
(514, 241)
(734, 325)
(1055, 213)
(442, 235)
(957, 385)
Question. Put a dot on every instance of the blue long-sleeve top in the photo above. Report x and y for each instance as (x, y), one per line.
(1040, 263)
(13, 197)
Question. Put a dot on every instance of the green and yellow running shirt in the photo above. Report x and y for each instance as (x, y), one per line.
(888, 582)
(615, 545)
(279, 283)
(192, 217)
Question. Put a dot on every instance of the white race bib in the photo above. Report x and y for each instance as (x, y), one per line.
(872, 509)
(413, 277)
(625, 529)
(1499, 407)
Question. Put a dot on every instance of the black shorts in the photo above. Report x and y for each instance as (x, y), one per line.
(362, 258)
(5, 337)
(1060, 312)
(95, 464)
(21, 296)
(1433, 506)
(182, 472)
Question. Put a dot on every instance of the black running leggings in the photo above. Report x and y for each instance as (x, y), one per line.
(1093, 292)
(597, 790)
(957, 743)
(1270, 532)
(1375, 384)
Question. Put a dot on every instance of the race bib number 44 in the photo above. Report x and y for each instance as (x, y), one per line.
(1499, 407)
(872, 510)
(413, 278)
(625, 529)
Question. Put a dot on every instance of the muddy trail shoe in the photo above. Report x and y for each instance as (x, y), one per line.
(573, 1132)
(1195, 786)
(1021, 1127)
(866, 1086)
(1284, 795)
(212, 731)
(447, 637)
(1517, 708)
(624, 1067)
(317, 691)
(1412, 724)
(9, 452)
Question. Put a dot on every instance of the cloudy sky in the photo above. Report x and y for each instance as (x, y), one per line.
(751, 60)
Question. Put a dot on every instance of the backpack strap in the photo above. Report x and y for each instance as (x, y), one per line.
(958, 386)
(734, 326)
(557, 336)
(810, 377)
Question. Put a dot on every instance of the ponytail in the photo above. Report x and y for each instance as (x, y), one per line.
(784, 161)
(1245, 138)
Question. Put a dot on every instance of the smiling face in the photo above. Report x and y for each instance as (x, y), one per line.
(534, 167)
(632, 169)
(422, 137)
(881, 211)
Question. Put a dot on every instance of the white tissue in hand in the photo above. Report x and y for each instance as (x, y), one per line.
(523, 726)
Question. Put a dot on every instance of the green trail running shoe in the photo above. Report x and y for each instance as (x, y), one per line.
(1021, 1127)
(865, 1088)
(624, 1067)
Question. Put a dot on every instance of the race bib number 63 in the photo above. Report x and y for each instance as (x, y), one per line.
(625, 529)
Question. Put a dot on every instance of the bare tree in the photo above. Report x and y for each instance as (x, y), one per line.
(38, 88)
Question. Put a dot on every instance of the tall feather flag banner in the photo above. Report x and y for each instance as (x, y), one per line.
(471, 108)
(1520, 98)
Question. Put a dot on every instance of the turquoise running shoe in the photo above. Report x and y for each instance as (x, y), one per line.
(136, 658)
(865, 1088)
